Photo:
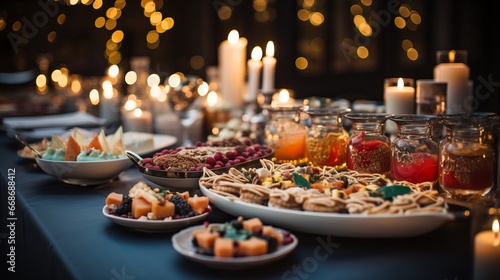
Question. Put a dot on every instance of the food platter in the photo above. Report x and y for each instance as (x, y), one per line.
(155, 225)
(336, 224)
(182, 243)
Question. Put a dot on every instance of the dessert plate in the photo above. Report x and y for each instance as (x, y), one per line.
(182, 243)
(153, 225)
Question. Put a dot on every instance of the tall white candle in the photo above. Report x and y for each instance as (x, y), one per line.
(399, 99)
(269, 68)
(232, 72)
(456, 74)
(109, 103)
(138, 120)
(254, 67)
(487, 253)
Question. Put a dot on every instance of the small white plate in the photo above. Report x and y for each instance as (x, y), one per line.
(153, 225)
(160, 142)
(182, 243)
(335, 224)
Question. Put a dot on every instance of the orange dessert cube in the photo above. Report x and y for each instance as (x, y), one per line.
(114, 198)
(252, 247)
(270, 231)
(162, 211)
(253, 224)
(223, 247)
(198, 203)
(140, 207)
(206, 239)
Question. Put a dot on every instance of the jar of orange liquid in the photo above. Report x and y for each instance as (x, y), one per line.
(285, 134)
(326, 141)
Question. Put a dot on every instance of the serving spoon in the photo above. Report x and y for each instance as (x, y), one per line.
(22, 141)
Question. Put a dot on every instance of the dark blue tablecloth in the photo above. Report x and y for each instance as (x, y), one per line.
(60, 233)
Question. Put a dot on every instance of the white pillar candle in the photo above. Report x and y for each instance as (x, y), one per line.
(487, 253)
(254, 66)
(109, 103)
(399, 99)
(138, 120)
(269, 68)
(456, 74)
(232, 70)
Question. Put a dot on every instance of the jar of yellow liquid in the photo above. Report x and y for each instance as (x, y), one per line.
(326, 140)
(285, 134)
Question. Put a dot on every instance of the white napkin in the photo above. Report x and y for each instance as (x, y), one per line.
(67, 120)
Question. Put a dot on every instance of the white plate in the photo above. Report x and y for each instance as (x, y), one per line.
(155, 226)
(160, 142)
(343, 225)
(84, 173)
(182, 242)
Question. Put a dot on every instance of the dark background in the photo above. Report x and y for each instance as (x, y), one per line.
(198, 30)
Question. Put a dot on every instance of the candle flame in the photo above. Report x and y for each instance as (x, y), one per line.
(270, 48)
(451, 55)
(212, 98)
(257, 53)
(94, 97)
(496, 229)
(107, 89)
(284, 96)
(401, 83)
(233, 37)
(137, 112)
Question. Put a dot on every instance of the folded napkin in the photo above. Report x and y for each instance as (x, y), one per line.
(68, 120)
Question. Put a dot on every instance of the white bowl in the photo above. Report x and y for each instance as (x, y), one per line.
(84, 173)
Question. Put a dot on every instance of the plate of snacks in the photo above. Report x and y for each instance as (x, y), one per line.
(234, 245)
(84, 161)
(153, 210)
(181, 168)
(327, 201)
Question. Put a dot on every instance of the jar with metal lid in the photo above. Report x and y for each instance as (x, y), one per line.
(368, 149)
(285, 134)
(326, 140)
(468, 158)
(414, 155)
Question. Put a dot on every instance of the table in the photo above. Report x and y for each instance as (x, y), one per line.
(60, 233)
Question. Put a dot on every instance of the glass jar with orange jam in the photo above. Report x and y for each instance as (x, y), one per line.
(285, 134)
(368, 150)
(326, 140)
(468, 159)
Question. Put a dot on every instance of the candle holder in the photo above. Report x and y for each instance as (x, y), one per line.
(486, 238)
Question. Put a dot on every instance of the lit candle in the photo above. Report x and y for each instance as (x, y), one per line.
(254, 66)
(232, 61)
(138, 120)
(399, 99)
(269, 67)
(456, 74)
(282, 99)
(108, 104)
(487, 253)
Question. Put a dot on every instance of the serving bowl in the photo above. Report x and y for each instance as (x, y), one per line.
(184, 180)
(86, 172)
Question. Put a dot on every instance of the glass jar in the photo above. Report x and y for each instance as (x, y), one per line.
(368, 150)
(468, 159)
(285, 134)
(414, 155)
(326, 140)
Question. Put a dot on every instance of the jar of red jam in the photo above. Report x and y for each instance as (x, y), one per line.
(326, 140)
(414, 155)
(468, 159)
(368, 149)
